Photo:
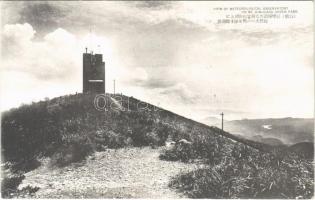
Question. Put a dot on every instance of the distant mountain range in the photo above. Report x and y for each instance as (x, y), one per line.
(272, 131)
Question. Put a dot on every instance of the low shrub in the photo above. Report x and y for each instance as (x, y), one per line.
(25, 165)
(26, 192)
(181, 152)
(9, 184)
(249, 174)
(73, 151)
(208, 183)
(115, 140)
(152, 139)
(209, 148)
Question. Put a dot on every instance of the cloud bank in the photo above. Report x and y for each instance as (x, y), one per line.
(167, 53)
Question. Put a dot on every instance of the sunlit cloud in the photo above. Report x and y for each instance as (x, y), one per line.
(168, 53)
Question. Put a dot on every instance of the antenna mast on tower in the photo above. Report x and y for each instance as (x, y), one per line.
(90, 39)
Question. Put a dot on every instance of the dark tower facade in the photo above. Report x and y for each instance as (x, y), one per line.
(93, 73)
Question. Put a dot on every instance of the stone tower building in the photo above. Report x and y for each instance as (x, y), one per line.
(93, 73)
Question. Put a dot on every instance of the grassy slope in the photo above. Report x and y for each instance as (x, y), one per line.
(44, 127)
(68, 128)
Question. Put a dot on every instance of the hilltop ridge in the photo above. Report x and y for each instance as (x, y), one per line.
(69, 129)
(50, 125)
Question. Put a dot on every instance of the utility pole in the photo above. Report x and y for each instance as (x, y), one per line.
(105, 79)
(222, 114)
(114, 87)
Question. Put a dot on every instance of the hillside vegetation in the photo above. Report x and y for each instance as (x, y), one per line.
(69, 128)
(59, 125)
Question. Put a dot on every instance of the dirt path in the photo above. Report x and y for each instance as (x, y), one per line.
(122, 173)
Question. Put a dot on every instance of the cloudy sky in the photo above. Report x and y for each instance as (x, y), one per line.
(172, 54)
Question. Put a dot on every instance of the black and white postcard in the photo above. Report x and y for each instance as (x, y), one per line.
(157, 99)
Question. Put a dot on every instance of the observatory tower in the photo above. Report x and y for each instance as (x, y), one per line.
(93, 73)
